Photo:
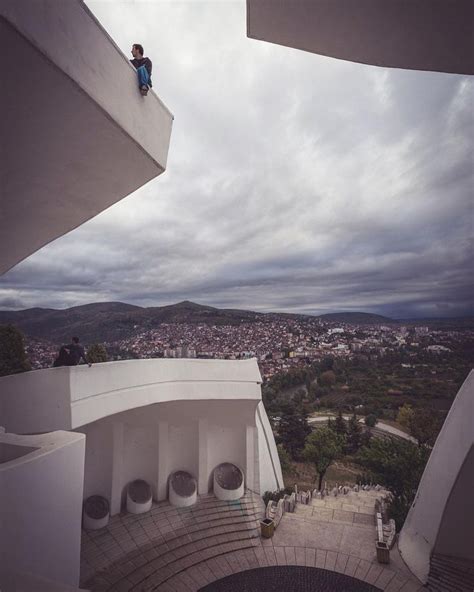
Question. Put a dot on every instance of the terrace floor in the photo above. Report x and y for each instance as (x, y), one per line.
(186, 549)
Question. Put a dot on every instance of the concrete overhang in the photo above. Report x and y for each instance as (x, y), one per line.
(415, 34)
(77, 136)
(70, 397)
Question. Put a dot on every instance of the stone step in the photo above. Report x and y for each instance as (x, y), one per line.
(154, 581)
(201, 508)
(453, 562)
(171, 550)
(168, 563)
(449, 574)
(184, 515)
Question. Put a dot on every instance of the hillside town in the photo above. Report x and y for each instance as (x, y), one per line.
(279, 343)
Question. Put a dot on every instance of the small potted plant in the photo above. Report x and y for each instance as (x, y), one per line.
(96, 512)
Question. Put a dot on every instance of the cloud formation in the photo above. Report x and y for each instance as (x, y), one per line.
(295, 182)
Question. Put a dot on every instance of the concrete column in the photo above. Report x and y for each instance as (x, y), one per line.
(251, 434)
(117, 468)
(203, 470)
(163, 461)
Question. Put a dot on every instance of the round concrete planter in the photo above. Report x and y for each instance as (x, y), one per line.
(228, 482)
(183, 489)
(139, 497)
(96, 513)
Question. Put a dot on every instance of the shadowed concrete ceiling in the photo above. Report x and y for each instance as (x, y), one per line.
(413, 34)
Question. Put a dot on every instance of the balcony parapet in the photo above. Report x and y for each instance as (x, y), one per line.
(70, 397)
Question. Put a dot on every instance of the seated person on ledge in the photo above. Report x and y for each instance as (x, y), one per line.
(71, 355)
(143, 66)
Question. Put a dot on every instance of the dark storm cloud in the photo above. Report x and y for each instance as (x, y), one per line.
(294, 182)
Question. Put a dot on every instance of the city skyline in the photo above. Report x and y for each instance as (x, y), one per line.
(295, 183)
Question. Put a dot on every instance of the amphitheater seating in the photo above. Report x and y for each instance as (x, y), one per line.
(167, 541)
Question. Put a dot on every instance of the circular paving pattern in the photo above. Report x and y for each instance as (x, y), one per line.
(289, 579)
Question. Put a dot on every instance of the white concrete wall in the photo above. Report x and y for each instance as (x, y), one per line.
(183, 445)
(148, 418)
(455, 440)
(41, 508)
(157, 440)
(227, 443)
(67, 398)
(37, 401)
(271, 478)
(98, 459)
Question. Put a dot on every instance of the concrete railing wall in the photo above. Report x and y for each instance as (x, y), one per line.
(69, 397)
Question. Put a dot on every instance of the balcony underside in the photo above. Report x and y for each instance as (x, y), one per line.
(416, 35)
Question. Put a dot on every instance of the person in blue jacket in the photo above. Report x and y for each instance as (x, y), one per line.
(143, 67)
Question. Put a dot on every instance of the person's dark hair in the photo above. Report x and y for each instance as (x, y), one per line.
(75, 339)
(139, 47)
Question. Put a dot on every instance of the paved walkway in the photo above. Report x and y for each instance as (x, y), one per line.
(184, 550)
(380, 425)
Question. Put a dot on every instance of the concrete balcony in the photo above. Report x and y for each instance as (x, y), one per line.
(70, 397)
(145, 419)
(77, 136)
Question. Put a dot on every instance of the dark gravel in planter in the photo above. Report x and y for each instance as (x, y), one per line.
(139, 491)
(96, 507)
(183, 483)
(228, 476)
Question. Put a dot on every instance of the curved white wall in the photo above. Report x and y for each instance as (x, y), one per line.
(271, 477)
(145, 419)
(421, 528)
(41, 508)
(69, 397)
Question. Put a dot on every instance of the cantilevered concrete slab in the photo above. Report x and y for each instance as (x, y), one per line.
(413, 34)
(77, 136)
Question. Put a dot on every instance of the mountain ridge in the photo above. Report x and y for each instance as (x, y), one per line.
(112, 321)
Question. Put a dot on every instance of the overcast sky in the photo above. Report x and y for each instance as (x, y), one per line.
(294, 183)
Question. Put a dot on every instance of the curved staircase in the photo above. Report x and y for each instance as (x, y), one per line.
(168, 541)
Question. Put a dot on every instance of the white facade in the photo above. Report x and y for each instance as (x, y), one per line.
(440, 519)
(41, 481)
(145, 419)
(77, 136)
